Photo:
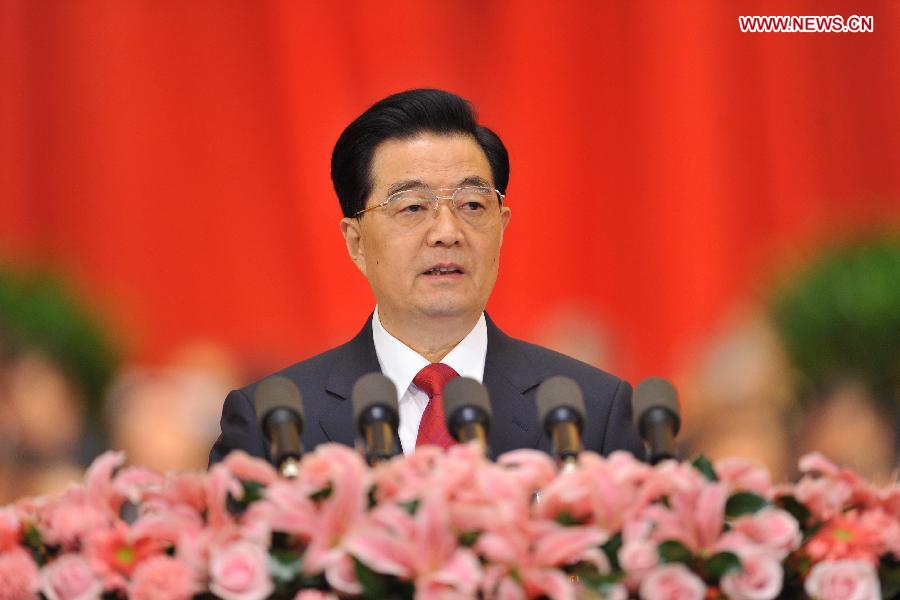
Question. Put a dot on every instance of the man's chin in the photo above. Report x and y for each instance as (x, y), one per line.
(446, 309)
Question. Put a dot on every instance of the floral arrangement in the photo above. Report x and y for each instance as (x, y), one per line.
(455, 525)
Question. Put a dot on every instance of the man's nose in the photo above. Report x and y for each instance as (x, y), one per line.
(444, 225)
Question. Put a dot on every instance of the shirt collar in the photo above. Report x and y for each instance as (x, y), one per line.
(400, 363)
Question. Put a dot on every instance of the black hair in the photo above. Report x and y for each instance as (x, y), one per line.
(402, 116)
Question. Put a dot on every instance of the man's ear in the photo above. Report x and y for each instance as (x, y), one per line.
(352, 232)
(505, 214)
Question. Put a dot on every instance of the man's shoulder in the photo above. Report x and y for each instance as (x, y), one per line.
(357, 353)
(314, 367)
(542, 362)
(324, 381)
(608, 424)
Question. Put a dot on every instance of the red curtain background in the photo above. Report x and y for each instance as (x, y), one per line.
(173, 156)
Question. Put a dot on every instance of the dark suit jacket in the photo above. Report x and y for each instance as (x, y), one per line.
(512, 372)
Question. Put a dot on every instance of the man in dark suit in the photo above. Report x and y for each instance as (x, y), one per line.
(421, 186)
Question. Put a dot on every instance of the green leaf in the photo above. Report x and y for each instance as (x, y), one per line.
(584, 569)
(285, 565)
(672, 551)
(39, 552)
(411, 506)
(702, 464)
(743, 503)
(796, 568)
(601, 584)
(253, 491)
(321, 494)
(376, 585)
(720, 564)
(468, 538)
(566, 518)
(33, 537)
(611, 549)
(797, 510)
(889, 575)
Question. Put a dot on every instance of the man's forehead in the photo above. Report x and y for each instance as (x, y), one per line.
(442, 160)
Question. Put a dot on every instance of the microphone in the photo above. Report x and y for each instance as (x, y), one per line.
(657, 417)
(279, 408)
(375, 411)
(560, 405)
(467, 409)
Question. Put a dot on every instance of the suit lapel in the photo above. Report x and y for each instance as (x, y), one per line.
(508, 376)
(355, 358)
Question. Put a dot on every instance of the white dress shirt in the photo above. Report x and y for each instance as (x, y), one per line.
(401, 364)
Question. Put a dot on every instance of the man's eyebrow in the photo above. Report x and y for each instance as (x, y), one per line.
(411, 184)
(406, 184)
(474, 180)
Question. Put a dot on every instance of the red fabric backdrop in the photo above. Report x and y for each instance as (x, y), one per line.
(174, 155)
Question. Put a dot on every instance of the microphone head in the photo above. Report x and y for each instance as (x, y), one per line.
(275, 393)
(559, 392)
(464, 392)
(656, 393)
(374, 389)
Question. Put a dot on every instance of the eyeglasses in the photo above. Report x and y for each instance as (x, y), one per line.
(473, 204)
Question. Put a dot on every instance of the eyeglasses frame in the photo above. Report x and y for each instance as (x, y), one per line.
(436, 202)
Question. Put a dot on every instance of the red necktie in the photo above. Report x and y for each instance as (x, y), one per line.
(432, 428)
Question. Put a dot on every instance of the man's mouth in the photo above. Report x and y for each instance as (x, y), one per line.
(443, 270)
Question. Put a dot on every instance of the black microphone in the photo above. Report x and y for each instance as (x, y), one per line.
(657, 417)
(375, 411)
(467, 409)
(279, 408)
(560, 405)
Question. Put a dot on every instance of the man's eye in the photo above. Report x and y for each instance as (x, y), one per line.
(410, 209)
(471, 206)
